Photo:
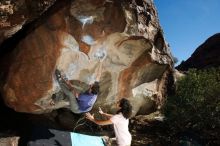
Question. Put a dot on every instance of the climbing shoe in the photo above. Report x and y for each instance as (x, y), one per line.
(58, 75)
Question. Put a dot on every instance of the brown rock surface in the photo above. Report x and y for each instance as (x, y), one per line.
(9, 141)
(124, 35)
(15, 14)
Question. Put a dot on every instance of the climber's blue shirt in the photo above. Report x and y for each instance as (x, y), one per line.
(86, 101)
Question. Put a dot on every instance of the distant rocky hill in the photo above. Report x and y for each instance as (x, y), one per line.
(205, 56)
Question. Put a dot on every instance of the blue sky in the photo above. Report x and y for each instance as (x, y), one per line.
(188, 23)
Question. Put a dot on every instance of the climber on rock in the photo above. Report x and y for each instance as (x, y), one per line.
(79, 102)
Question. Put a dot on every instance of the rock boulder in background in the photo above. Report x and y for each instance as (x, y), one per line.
(205, 56)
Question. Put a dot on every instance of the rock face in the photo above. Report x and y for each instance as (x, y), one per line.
(124, 36)
(15, 14)
(206, 55)
(9, 141)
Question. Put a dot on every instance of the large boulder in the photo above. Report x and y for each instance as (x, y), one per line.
(125, 36)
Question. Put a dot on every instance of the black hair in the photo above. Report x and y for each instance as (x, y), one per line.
(126, 108)
(95, 88)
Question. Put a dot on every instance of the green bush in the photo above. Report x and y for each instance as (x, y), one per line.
(196, 103)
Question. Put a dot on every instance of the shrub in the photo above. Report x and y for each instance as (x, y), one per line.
(196, 103)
